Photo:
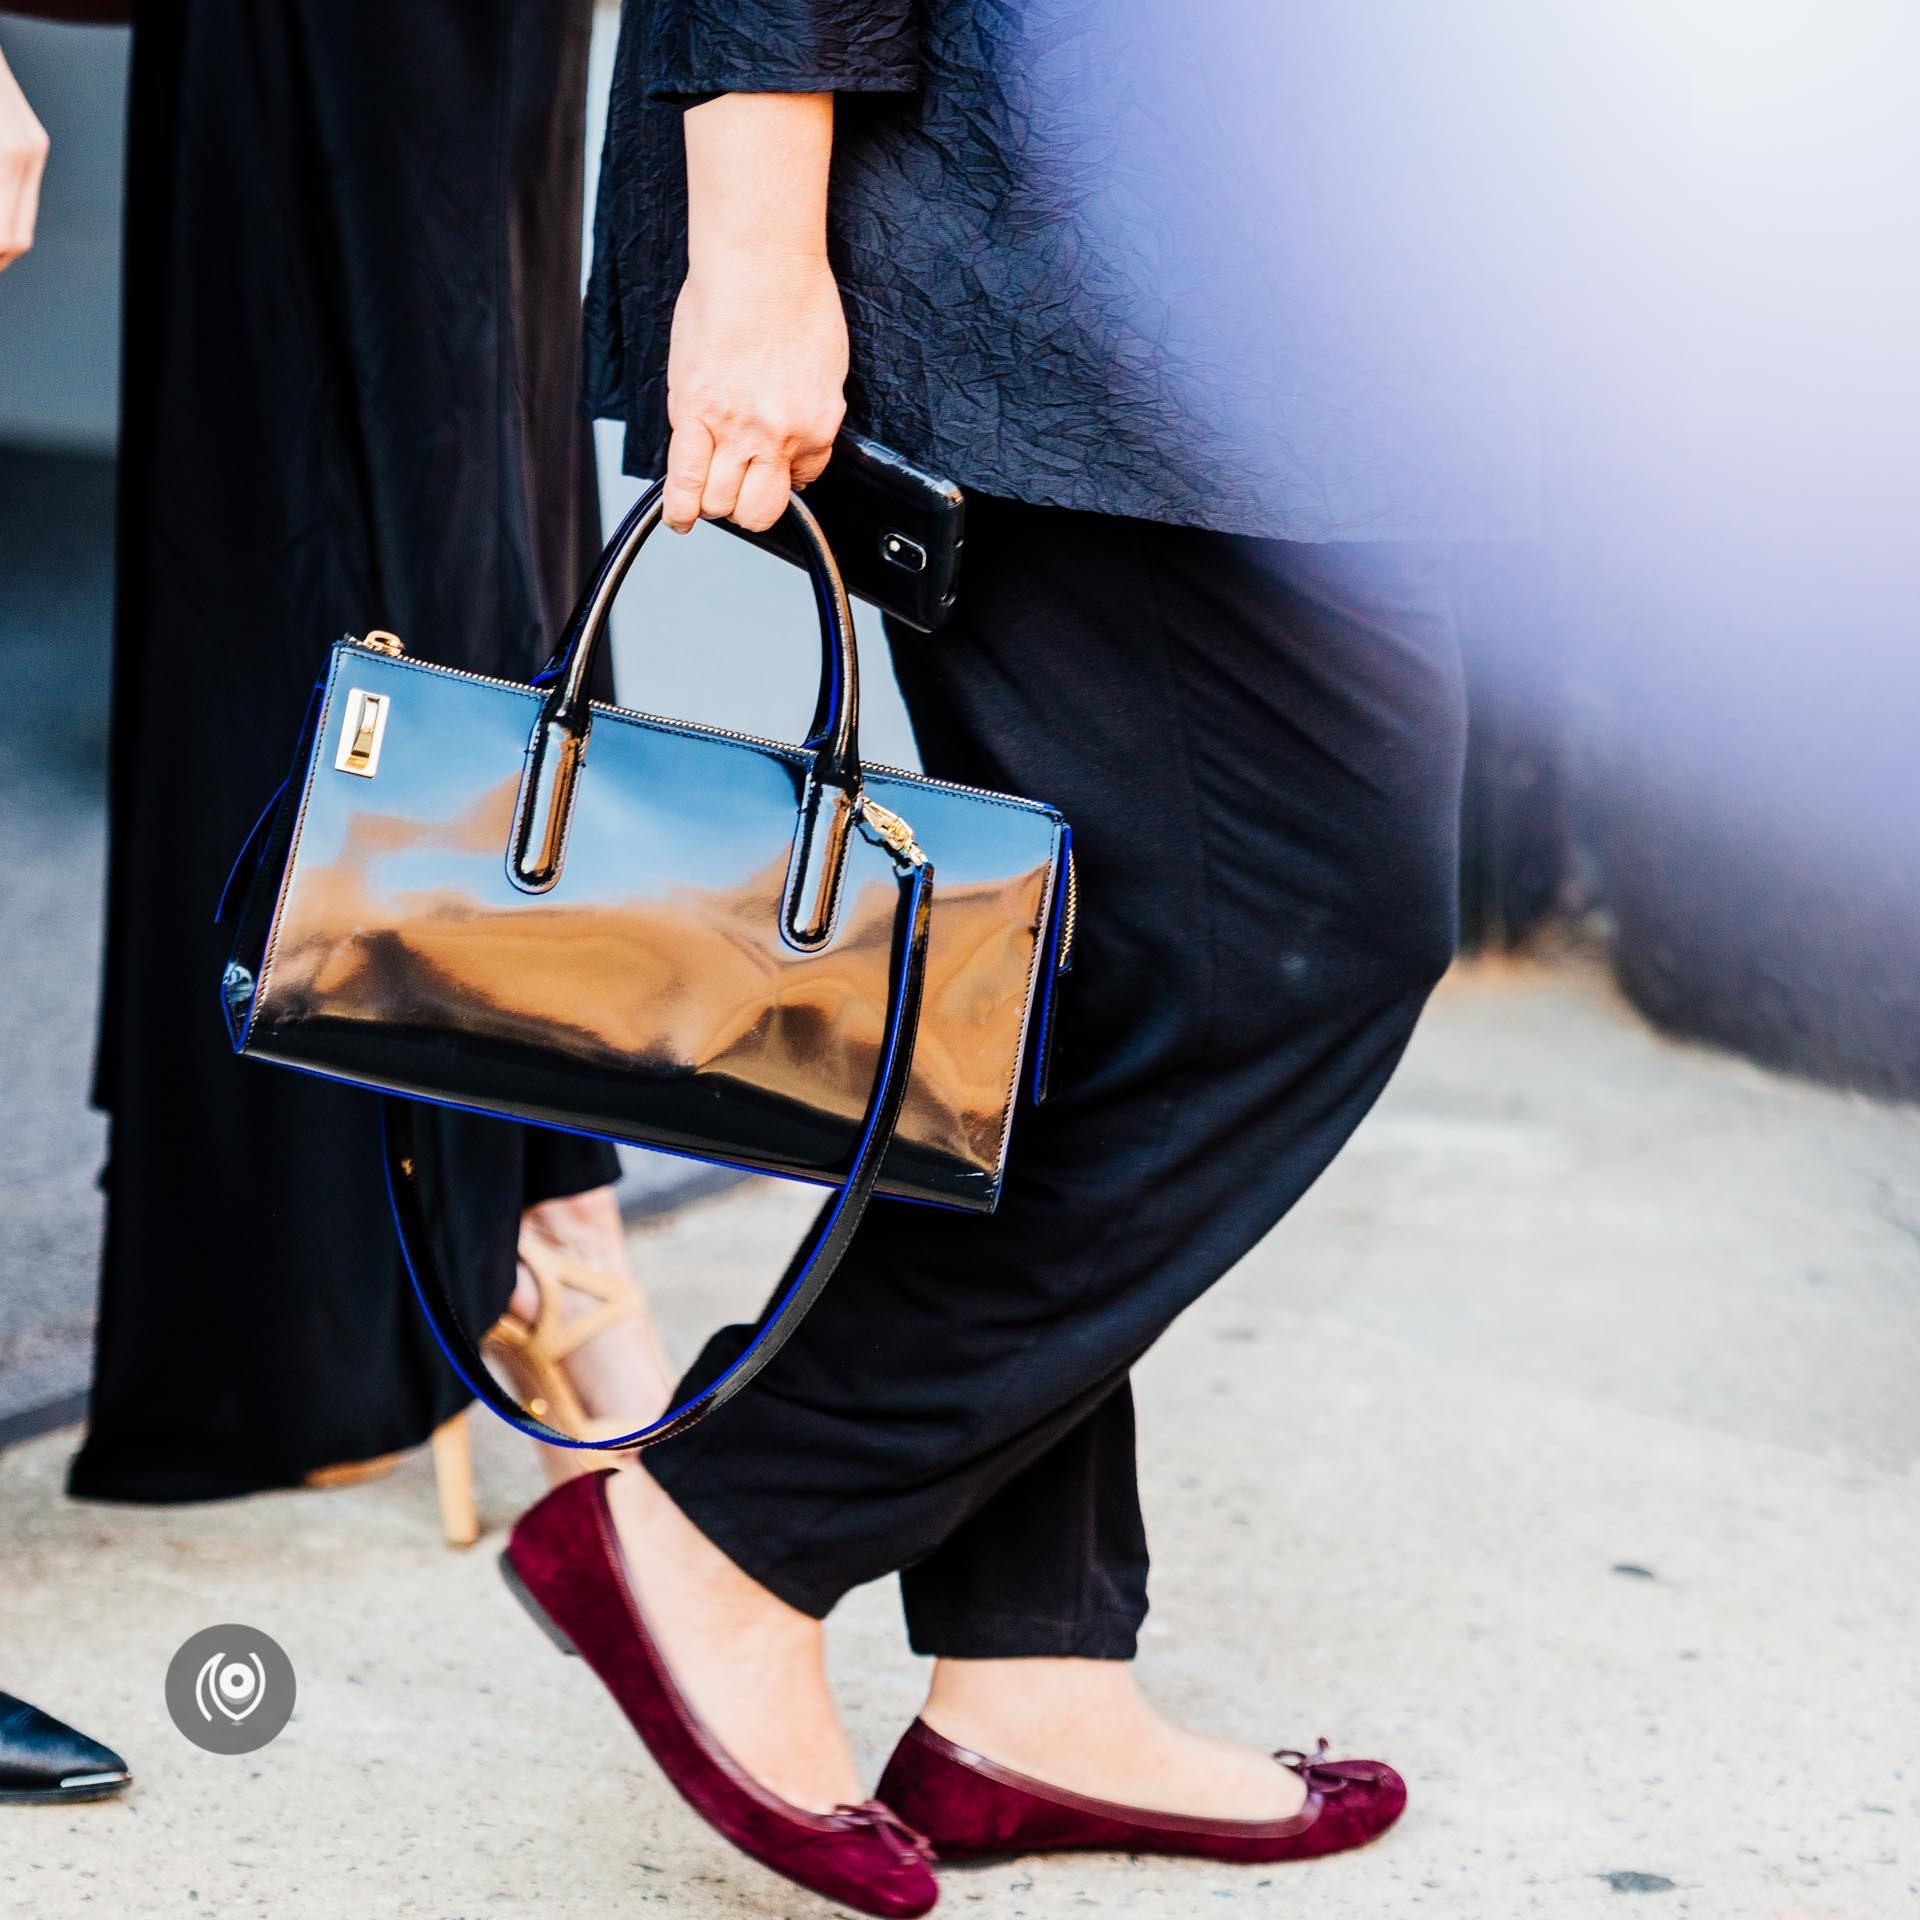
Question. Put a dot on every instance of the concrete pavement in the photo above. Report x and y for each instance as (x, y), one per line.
(1560, 1448)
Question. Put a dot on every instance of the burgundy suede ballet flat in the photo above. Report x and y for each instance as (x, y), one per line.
(564, 1565)
(967, 1804)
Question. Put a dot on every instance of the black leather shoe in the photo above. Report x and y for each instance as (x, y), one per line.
(43, 1763)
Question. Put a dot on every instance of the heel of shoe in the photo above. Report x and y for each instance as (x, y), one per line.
(453, 1481)
(536, 1612)
(350, 1473)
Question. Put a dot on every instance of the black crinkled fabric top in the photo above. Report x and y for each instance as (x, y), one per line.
(1247, 265)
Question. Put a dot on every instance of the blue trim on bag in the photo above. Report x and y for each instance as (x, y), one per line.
(255, 845)
(246, 847)
(300, 763)
(1044, 1033)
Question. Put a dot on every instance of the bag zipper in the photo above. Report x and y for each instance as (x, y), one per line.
(390, 646)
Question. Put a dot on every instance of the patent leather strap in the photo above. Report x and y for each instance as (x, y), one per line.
(812, 1264)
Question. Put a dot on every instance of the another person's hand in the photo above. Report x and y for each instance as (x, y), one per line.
(23, 159)
(758, 363)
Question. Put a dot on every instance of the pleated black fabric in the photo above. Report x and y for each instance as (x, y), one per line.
(351, 399)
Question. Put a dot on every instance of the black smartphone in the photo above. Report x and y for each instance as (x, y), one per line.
(896, 530)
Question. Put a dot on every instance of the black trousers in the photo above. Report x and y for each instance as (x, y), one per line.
(1259, 746)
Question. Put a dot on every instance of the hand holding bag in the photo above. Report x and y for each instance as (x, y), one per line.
(518, 900)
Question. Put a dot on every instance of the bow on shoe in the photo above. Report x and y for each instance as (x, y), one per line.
(905, 1843)
(1314, 1768)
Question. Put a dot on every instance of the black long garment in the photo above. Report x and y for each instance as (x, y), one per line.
(350, 400)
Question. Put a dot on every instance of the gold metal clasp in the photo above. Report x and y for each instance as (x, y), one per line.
(361, 731)
(893, 830)
(381, 641)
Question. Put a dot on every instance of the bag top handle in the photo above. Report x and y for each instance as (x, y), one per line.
(554, 754)
(834, 734)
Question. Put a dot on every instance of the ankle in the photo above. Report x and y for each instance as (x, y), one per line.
(1034, 1701)
(582, 1226)
(666, 1550)
(597, 1355)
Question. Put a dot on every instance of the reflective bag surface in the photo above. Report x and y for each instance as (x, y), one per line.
(516, 900)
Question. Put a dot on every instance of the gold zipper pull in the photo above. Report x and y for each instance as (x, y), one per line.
(893, 830)
(379, 640)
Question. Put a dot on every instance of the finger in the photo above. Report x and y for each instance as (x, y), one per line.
(26, 209)
(12, 180)
(718, 496)
(689, 454)
(809, 466)
(763, 494)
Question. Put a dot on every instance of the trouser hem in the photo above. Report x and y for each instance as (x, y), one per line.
(1101, 1636)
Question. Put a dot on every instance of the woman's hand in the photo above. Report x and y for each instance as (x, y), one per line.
(758, 363)
(23, 160)
(754, 387)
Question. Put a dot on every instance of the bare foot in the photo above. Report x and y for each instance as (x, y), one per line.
(1085, 1725)
(622, 1373)
(752, 1667)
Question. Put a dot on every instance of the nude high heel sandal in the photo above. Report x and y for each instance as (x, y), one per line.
(452, 1478)
(533, 1356)
(452, 1447)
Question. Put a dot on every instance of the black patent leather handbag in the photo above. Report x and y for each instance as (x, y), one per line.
(521, 901)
